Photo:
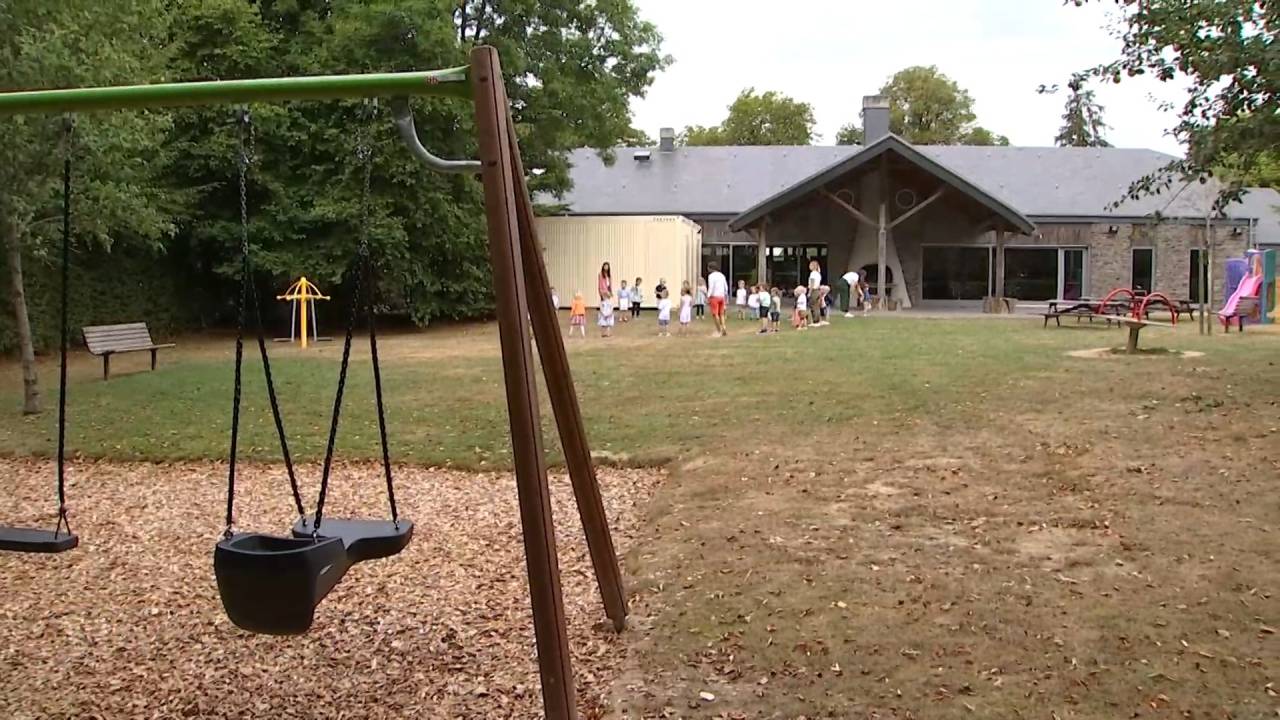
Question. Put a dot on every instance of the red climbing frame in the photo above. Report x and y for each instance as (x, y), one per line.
(1139, 308)
(1141, 311)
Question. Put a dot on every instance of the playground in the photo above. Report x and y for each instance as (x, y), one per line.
(889, 516)
(898, 516)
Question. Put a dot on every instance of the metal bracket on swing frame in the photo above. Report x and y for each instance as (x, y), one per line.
(403, 117)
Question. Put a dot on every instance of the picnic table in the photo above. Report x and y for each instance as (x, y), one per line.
(1085, 308)
(1110, 309)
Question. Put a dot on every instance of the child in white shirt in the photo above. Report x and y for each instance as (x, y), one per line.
(555, 299)
(740, 299)
(802, 308)
(664, 315)
(686, 307)
(605, 320)
(624, 302)
(753, 302)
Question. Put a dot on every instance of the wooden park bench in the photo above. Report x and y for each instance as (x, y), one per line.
(1247, 307)
(107, 340)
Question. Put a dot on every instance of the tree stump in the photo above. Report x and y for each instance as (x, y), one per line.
(998, 305)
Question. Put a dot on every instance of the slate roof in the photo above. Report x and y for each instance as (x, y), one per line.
(1043, 183)
(888, 144)
(1263, 204)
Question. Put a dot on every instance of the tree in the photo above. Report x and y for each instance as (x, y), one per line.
(117, 156)
(1082, 124)
(571, 70)
(1224, 51)
(927, 108)
(635, 137)
(1264, 170)
(983, 136)
(768, 118)
(849, 134)
(699, 135)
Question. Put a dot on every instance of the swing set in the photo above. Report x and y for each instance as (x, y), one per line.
(273, 583)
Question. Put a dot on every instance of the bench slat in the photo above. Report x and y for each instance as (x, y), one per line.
(123, 337)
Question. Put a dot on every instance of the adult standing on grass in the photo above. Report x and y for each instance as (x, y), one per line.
(604, 283)
(847, 285)
(717, 292)
(815, 291)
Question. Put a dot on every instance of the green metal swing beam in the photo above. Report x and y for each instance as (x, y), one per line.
(450, 82)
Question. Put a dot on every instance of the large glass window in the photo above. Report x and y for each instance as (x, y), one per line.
(718, 253)
(956, 273)
(744, 264)
(1144, 270)
(1031, 273)
(1199, 277)
(784, 267)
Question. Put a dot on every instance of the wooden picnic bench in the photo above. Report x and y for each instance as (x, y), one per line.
(1081, 309)
(107, 340)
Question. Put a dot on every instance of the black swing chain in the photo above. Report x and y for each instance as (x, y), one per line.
(362, 267)
(68, 137)
(249, 294)
(242, 301)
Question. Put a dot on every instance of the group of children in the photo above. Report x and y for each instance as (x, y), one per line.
(812, 306)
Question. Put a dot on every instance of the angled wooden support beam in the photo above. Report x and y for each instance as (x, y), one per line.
(927, 202)
(564, 403)
(855, 212)
(511, 292)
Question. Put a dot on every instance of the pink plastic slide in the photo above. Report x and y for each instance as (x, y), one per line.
(1250, 286)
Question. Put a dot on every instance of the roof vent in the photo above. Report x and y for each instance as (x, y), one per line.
(667, 139)
(642, 156)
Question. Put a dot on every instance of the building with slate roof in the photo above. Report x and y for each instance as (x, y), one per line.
(928, 225)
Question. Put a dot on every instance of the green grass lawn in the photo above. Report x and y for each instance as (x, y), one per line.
(645, 399)
(893, 516)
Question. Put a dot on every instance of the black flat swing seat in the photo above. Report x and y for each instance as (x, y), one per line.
(272, 584)
(364, 539)
(32, 540)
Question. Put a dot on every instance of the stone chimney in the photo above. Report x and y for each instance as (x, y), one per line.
(875, 118)
(667, 139)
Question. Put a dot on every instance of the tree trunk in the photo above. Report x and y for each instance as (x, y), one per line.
(18, 300)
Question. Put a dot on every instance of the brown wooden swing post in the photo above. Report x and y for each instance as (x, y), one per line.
(523, 298)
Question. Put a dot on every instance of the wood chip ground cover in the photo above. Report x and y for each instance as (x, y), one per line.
(129, 625)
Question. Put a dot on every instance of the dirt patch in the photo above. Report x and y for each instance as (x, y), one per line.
(130, 624)
(1117, 352)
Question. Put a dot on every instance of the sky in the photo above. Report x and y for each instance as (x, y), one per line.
(830, 53)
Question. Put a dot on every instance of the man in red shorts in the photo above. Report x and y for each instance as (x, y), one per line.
(717, 292)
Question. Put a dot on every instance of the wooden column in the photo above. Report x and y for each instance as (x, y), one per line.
(564, 403)
(882, 252)
(501, 214)
(761, 260)
(999, 283)
(882, 232)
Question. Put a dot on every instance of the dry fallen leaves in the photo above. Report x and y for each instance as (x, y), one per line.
(130, 625)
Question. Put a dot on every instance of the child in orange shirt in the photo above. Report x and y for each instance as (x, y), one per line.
(578, 315)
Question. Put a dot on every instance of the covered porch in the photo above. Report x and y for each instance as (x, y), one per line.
(914, 228)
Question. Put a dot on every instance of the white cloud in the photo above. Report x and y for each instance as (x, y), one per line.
(832, 52)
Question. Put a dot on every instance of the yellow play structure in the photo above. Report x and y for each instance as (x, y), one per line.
(303, 294)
